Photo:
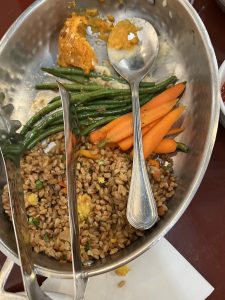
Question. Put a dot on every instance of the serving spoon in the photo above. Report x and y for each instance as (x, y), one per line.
(133, 65)
(11, 149)
(72, 142)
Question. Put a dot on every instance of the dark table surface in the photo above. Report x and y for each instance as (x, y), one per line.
(200, 234)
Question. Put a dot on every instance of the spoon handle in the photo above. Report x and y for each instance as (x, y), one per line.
(72, 142)
(141, 207)
(20, 225)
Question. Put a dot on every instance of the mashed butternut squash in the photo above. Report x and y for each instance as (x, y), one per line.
(123, 36)
(101, 26)
(74, 49)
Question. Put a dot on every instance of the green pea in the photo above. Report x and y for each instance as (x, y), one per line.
(87, 247)
(34, 221)
(39, 184)
(46, 237)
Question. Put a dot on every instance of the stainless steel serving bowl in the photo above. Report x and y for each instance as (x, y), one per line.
(31, 43)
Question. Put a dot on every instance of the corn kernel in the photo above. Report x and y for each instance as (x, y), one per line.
(32, 199)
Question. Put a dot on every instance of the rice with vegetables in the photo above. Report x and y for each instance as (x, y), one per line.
(103, 178)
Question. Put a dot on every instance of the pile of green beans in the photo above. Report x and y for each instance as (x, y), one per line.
(95, 104)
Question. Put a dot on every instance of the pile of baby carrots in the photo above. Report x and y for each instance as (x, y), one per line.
(157, 119)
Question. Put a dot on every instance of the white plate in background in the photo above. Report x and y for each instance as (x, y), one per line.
(161, 273)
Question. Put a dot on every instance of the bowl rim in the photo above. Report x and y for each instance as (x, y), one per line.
(203, 164)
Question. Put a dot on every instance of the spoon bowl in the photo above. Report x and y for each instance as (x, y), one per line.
(135, 63)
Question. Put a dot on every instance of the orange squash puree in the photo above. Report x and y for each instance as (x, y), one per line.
(101, 26)
(74, 49)
(118, 38)
(92, 12)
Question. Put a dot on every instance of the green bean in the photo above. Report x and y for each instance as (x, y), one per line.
(113, 97)
(73, 72)
(90, 109)
(36, 117)
(29, 136)
(109, 99)
(88, 96)
(52, 130)
(57, 122)
(87, 122)
(109, 103)
(77, 71)
(49, 119)
(80, 98)
(109, 92)
(117, 101)
(182, 147)
(100, 94)
(94, 114)
(127, 103)
(57, 118)
(82, 123)
(120, 92)
(76, 78)
(101, 107)
(113, 111)
(61, 72)
(126, 95)
(46, 122)
(83, 113)
(159, 87)
(147, 84)
(57, 98)
(96, 124)
(68, 86)
(44, 135)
